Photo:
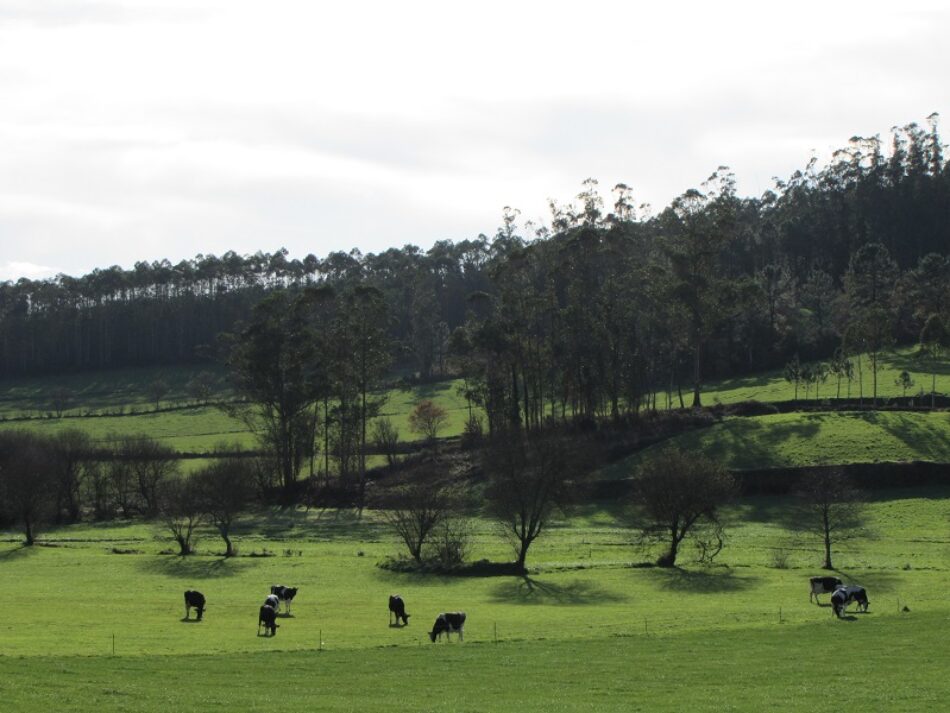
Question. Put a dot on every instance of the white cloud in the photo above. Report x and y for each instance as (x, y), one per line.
(143, 130)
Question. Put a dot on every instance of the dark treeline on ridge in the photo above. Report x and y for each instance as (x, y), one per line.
(599, 310)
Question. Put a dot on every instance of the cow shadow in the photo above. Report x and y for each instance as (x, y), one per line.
(191, 567)
(190, 621)
(527, 590)
(709, 581)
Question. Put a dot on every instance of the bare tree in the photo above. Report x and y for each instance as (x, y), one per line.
(181, 512)
(386, 438)
(830, 509)
(427, 419)
(530, 478)
(149, 464)
(157, 390)
(418, 509)
(679, 495)
(200, 387)
(25, 481)
(224, 489)
(71, 452)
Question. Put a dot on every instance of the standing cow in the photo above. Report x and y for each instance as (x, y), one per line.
(843, 596)
(267, 617)
(196, 600)
(284, 594)
(398, 607)
(446, 623)
(823, 585)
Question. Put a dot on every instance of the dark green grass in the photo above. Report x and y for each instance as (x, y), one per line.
(807, 439)
(873, 662)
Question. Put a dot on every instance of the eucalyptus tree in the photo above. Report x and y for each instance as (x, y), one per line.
(276, 370)
(699, 227)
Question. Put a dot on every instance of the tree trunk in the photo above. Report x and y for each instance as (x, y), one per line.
(28, 532)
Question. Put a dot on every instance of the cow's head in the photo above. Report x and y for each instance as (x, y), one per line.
(432, 635)
(290, 592)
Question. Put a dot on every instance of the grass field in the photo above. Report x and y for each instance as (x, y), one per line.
(189, 429)
(772, 386)
(807, 439)
(584, 631)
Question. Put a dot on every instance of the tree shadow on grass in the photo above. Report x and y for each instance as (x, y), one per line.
(192, 567)
(710, 581)
(17, 553)
(527, 590)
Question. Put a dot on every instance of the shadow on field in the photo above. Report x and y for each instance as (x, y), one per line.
(701, 581)
(17, 552)
(526, 590)
(874, 581)
(192, 566)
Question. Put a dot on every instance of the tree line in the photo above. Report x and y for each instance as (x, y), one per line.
(714, 284)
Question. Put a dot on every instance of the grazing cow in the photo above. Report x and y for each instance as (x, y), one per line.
(447, 623)
(284, 594)
(398, 607)
(843, 596)
(823, 585)
(196, 600)
(267, 617)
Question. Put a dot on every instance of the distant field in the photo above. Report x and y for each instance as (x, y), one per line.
(807, 439)
(585, 631)
(771, 386)
(191, 429)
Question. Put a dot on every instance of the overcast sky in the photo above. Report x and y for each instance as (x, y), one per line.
(148, 130)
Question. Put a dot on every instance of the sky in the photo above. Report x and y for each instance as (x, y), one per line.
(163, 129)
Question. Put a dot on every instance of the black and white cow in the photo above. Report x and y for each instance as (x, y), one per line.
(823, 585)
(843, 596)
(447, 623)
(398, 607)
(267, 617)
(273, 602)
(284, 594)
(196, 600)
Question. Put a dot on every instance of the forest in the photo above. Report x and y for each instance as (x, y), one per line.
(592, 315)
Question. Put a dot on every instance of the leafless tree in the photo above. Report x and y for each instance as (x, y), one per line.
(386, 438)
(427, 419)
(679, 495)
(225, 489)
(26, 486)
(530, 478)
(830, 509)
(181, 512)
(417, 509)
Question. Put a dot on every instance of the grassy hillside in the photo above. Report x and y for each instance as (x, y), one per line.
(771, 386)
(585, 629)
(189, 429)
(807, 439)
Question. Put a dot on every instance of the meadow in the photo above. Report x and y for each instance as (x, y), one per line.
(808, 439)
(587, 629)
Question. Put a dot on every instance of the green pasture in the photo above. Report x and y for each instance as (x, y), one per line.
(808, 439)
(187, 429)
(586, 630)
(772, 386)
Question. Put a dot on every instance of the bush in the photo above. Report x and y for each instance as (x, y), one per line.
(451, 542)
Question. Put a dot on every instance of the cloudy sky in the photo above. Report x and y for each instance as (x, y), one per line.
(162, 129)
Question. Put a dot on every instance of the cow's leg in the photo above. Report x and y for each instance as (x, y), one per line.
(461, 638)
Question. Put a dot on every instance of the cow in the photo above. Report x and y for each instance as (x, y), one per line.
(398, 607)
(267, 617)
(843, 596)
(284, 594)
(446, 623)
(823, 585)
(273, 602)
(196, 600)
